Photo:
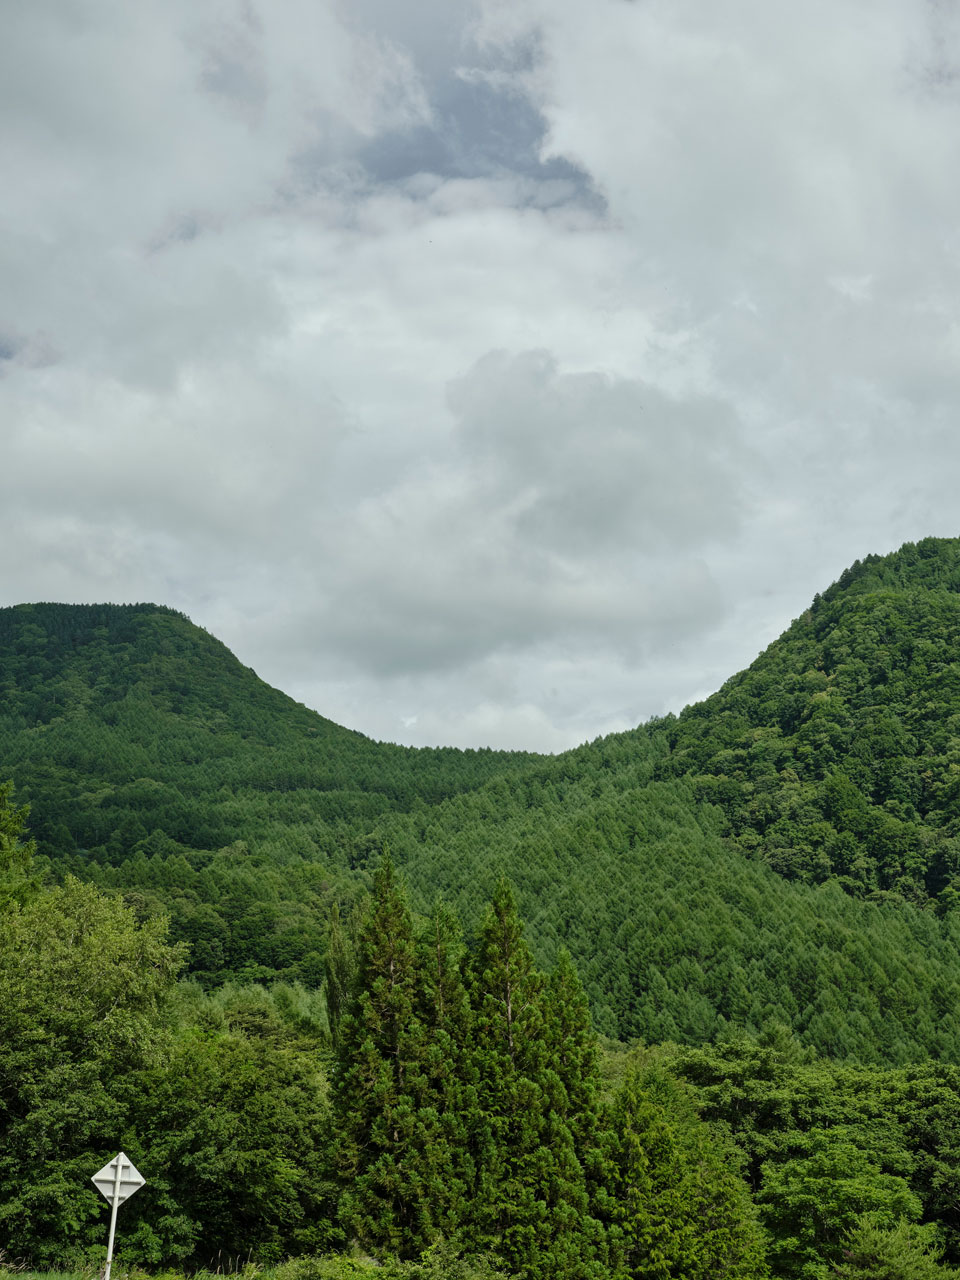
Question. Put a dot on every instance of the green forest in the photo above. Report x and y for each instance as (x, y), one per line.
(683, 1002)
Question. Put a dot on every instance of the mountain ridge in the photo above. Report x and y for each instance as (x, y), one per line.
(785, 852)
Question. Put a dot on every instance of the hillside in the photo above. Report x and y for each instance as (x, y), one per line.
(836, 755)
(783, 853)
(141, 742)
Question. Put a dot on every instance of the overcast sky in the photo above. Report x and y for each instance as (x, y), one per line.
(482, 372)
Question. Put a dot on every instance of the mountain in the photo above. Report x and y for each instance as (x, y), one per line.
(151, 757)
(836, 755)
(783, 853)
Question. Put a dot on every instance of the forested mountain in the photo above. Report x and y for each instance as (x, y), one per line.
(457, 1127)
(386, 1044)
(836, 755)
(459, 1109)
(141, 743)
(783, 853)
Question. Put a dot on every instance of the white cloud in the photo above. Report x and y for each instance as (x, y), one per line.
(476, 369)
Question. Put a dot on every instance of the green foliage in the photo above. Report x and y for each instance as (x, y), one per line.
(825, 1143)
(814, 1199)
(233, 1126)
(219, 1101)
(500, 1081)
(531, 1203)
(444, 1260)
(340, 970)
(328, 1267)
(401, 1182)
(681, 1210)
(158, 767)
(17, 883)
(156, 763)
(81, 988)
(835, 755)
(781, 861)
(876, 1251)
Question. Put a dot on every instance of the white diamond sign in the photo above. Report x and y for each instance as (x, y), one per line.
(118, 1180)
(124, 1187)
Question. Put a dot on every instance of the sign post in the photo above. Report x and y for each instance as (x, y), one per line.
(117, 1181)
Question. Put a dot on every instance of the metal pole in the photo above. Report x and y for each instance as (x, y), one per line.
(113, 1214)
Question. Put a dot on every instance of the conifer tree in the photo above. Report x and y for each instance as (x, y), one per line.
(571, 1046)
(681, 1210)
(905, 1251)
(445, 1010)
(531, 1197)
(340, 971)
(575, 1089)
(17, 883)
(393, 1155)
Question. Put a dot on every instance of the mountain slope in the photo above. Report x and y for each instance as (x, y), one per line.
(138, 740)
(158, 765)
(106, 694)
(836, 755)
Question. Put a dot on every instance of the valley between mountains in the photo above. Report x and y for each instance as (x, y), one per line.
(682, 1002)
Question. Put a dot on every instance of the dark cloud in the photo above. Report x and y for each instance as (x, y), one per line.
(478, 127)
(9, 347)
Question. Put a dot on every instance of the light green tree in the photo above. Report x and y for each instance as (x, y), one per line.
(682, 1211)
(81, 984)
(17, 881)
(905, 1251)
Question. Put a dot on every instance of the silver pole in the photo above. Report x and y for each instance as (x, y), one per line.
(113, 1214)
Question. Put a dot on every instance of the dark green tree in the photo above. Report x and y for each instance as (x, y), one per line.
(444, 1007)
(812, 1201)
(904, 1251)
(531, 1205)
(340, 970)
(392, 1148)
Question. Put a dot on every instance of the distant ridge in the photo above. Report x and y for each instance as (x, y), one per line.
(74, 621)
(785, 853)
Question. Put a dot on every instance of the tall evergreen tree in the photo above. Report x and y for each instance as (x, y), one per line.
(575, 1088)
(393, 1154)
(445, 1010)
(571, 1048)
(531, 1202)
(340, 971)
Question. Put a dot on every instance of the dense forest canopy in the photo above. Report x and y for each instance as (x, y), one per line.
(785, 852)
(235, 936)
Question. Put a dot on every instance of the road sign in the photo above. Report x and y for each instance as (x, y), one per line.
(117, 1180)
(130, 1179)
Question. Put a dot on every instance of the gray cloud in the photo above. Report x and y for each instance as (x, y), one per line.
(480, 372)
(594, 463)
(567, 509)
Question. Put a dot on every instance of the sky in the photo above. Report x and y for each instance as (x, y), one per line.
(481, 372)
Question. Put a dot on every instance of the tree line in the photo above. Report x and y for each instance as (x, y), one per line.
(444, 1108)
(453, 1096)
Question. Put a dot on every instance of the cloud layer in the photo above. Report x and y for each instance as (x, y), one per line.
(480, 372)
